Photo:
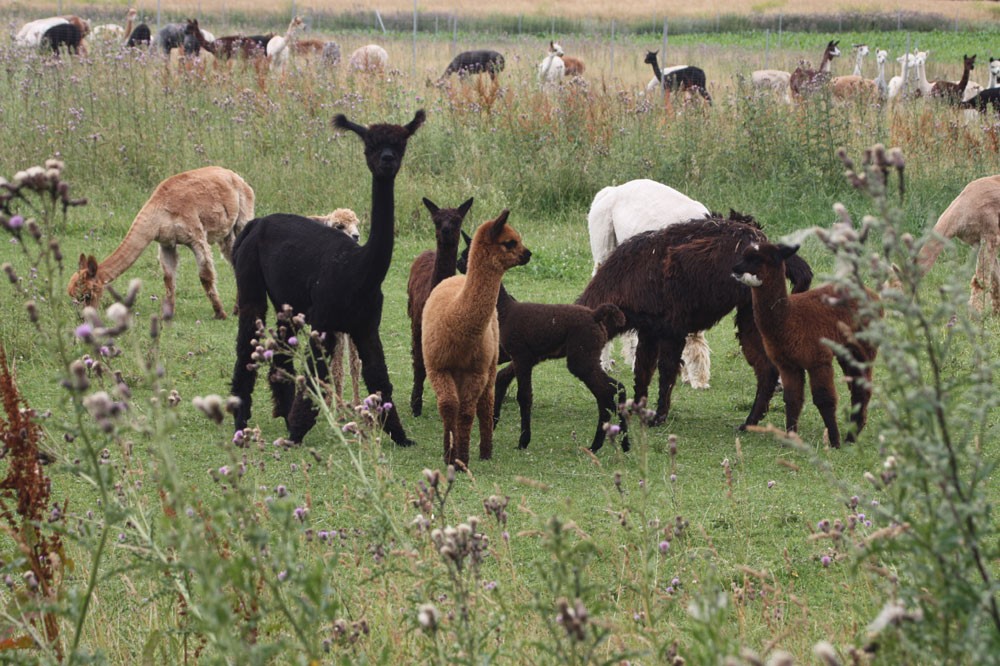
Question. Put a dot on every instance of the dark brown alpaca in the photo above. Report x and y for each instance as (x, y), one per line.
(245, 46)
(676, 281)
(805, 80)
(795, 330)
(950, 90)
(428, 269)
(574, 66)
(194, 40)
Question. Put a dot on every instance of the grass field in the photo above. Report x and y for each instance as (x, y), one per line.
(742, 505)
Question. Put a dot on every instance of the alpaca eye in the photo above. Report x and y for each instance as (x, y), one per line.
(510, 245)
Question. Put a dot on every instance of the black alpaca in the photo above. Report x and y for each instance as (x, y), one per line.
(428, 269)
(989, 97)
(474, 62)
(140, 36)
(64, 34)
(194, 40)
(325, 275)
(534, 332)
(170, 36)
(676, 281)
(679, 79)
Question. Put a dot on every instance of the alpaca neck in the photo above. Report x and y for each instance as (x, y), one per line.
(964, 81)
(770, 304)
(208, 46)
(478, 299)
(922, 81)
(656, 71)
(857, 64)
(880, 79)
(128, 27)
(142, 232)
(824, 66)
(504, 303)
(445, 262)
(993, 80)
(378, 249)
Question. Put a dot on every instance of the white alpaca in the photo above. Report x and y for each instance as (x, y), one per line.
(908, 63)
(278, 47)
(881, 57)
(921, 65)
(618, 213)
(552, 69)
(114, 32)
(344, 219)
(369, 58)
(994, 73)
(773, 79)
(860, 51)
(31, 33)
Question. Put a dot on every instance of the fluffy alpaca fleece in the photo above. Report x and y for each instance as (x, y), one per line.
(461, 339)
(31, 33)
(795, 330)
(804, 79)
(474, 62)
(63, 34)
(369, 58)
(552, 69)
(196, 208)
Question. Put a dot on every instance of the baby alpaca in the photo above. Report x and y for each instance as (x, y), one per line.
(461, 339)
(794, 329)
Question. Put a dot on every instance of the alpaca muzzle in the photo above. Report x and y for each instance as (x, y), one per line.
(525, 257)
(749, 279)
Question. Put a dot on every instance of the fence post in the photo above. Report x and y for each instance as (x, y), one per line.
(552, 33)
(717, 14)
(781, 19)
(158, 15)
(956, 20)
(663, 53)
(414, 41)
(520, 20)
(767, 47)
(199, 12)
(436, 17)
(293, 10)
(906, 82)
(454, 31)
(899, 19)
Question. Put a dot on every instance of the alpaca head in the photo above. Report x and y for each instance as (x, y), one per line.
(555, 49)
(447, 222)
(385, 144)
(651, 57)
(969, 61)
(831, 49)
(763, 261)
(861, 49)
(131, 14)
(296, 24)
(994, 66)
(342, 219)
(881, 56)
(191, 27)
(85, 286)
(498, 245)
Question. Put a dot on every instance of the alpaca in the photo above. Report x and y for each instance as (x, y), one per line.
(113, 31)
(346, 221)
(986, 98)
(534, 332)
(994, 73)
(330, 54)
(195, 40)
(675, 281)
(307, 47)
(427, 271)
(795, 330)
(804, 79)
(333, 281)
(881, 57)
(475, 62)
(195, 208)
(370, 58)
(955, 92)
(140, 36)
(62, 34)
(552, 69)
(277, 49)
(170, 36)
(920, 62)
(908, 65)
(972, 218)
(82, 24)
(246, 46)
(860, 51)
(461, 339)
(773, 79)
(574, 66)
(654, 84)
(620, 212)
(30, 34)
(679, 78)
(847, 87)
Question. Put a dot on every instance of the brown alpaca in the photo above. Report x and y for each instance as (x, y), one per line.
(954, 92)
(307, 47)
(574, 66)
(83, 25)
(847, 87)
(195, 208)
(795, 330)
(461, 339)
(973, 218)
(804, 80)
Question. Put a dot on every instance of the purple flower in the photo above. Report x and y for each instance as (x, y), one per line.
(105, 351)
(673, 477)
(282, 576)
(874, 502)
(825, 560)
(506, 536)
(238, 437)
(224, 470)
(861, 516)
(292, 341)
(675, 582)
(300, 512)
(84, 330)
(868, 523)
(16, 222)
(770, 484)
(281, 490)
(614, 429)
(664, 546)
(670, 590)
(268, 354)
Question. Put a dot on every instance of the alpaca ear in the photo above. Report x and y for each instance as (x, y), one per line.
(785, 251)
(83, 261)
(418, 119)
(464, 208)
(91, 266)
(431, 206)
(468, 239)
(341, 121)
(498, 224)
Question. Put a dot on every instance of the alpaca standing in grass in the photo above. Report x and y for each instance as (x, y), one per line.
(552, 69)
(60, 35)
(683, 78)
(195, 40)
(804, 79)
(195, 208)
(428, 270)
(30, 34)
(795, 330)
(461, 339)
(170, 36)
(326, 276)
(620, 212)
(278, 49)
(846, 87)
(773, 79)
(139, 37)
(113, 31)
(676, 281)
(955, 92)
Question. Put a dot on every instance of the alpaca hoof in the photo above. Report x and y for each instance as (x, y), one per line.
(524, 441)
(219, 315)
(659, 419)
(626, 446)
(743, 426)
(417, 409)
(406, 441)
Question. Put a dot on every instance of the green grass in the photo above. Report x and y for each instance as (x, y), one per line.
(124, 127)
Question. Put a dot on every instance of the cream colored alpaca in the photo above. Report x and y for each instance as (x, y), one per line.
(461, 339)
(278, 48)
(973, 218)
(195, 208)
(369, 58)
(773, 79)
(113, 31)
(344, 219)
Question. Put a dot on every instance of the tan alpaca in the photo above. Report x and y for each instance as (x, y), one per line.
(847, 87)
(344, 219)
(461, 339)
(195, 208)
(973, 218)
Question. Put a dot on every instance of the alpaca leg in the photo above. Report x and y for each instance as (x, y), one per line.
(753, 350)
(302, 415)
(245, 372)
(484, 412)
(206, 273)
(447, 398)
(340, 340)
(824, 395)
(354, 361)
(630, 341)
(281, 380)
(979, 284)
(859, 371)
(671, 349)
(794, 381)
(696, 362)
(606, 356)
(504, 378)
(525, 396)
(645, 362)
(376, 377)
(992, 270)
(605, 390)
(168, 263)
(419, 372)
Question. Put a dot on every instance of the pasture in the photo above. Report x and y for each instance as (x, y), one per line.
(197, 565)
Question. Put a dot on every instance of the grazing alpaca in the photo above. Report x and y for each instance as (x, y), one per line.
(170, 36)
(428, 270)
(346, 221)
(574, 66)
(83, 25)
(475, 62)
(113, 31)
(805, 80)
(62, 34)
(370, 58)
(972, 218)
(795, 330)
(461, 339)
(278, 48)
(773, 79)
(140, 36)
(330, 54)
(323, 274)
(30, 34)
(195, 208)
(955, 92)
(247, 46)
(618, 213)
(678, 78)
(552, 69)
(987, 98)
(676, 281)
(534, 332)
(194, 39)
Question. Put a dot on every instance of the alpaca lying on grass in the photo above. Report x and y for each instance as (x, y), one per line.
(195, 208)
(461, 339)
(369, 58)
(795, 330)
(428, 270)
